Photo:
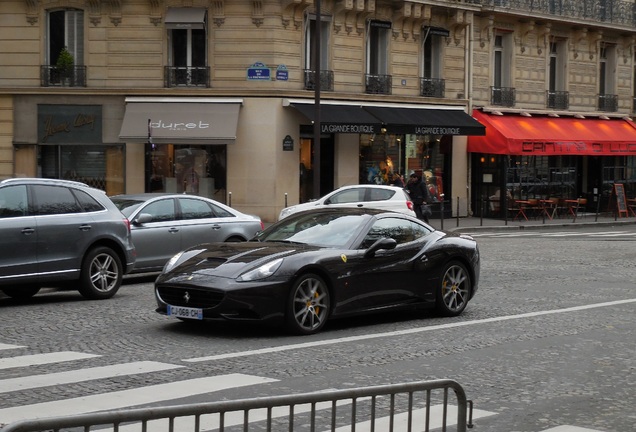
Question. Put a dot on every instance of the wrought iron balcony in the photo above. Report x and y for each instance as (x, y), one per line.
(378, 84)
(52, 76)
(187, 76)
(432, 87)
(611, 11)
(608, 102)
(558, 99)
(326, 80)
(503, 96)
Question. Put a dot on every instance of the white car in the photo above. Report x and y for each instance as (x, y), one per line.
(372, 196)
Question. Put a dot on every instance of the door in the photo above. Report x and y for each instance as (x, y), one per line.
(159, 239)
(18, 236)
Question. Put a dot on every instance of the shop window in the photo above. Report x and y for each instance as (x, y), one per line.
(65, 48)
(326, 76)
(377, 79)
(196, 170)
(99, 166)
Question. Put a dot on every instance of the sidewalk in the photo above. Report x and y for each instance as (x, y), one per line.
(472, 224)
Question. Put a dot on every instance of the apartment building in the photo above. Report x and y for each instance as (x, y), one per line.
(554, 86)
(217, 97)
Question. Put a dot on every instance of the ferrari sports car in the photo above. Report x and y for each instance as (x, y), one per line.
(323, 264)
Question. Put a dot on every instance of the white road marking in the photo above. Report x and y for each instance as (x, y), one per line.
(418, 422)
(8, 346)
(129, 398)
(80, 375)
(404, 332)
(567, 428)
(40, 359)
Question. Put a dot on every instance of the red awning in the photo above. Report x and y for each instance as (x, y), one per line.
(513, 134)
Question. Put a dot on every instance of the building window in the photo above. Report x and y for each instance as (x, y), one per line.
(65, 48)
(432, 84)
(558, 97)
(188, 47)
(502, 91)
(377, 79)
(607, 100)
(326, 76)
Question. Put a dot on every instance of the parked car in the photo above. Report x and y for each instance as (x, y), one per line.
(321, 264)
(61, 233)
(388, 198)
(164, 224)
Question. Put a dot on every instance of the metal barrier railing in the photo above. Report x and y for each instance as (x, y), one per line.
(380, 408)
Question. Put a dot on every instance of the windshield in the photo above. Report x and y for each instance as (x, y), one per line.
(126, 206)
(318, 229)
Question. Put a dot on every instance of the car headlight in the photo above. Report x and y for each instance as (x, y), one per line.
(172, 262)
(261, 272)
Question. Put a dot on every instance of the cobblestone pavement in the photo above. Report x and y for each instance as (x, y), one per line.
(547, 342)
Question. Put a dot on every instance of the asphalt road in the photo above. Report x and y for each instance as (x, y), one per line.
(547, 344)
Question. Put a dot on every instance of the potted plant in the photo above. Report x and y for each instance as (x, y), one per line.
(65, 64)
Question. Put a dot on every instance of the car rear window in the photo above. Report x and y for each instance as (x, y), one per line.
(88, 203)
(380, 194)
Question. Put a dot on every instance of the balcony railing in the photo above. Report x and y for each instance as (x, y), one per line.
(326, 80)
(52, 76)
(378, 84)
(611, 11)
(187, 76)
(608, 102)
(503, 96)
(432, 87)
(558, 99)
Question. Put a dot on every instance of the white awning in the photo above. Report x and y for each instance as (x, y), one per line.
(185, 18)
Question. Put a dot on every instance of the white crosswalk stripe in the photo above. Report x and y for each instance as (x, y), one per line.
(80, 375)
(130, 398)
(41, 359)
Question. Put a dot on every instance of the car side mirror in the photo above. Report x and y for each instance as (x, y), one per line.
(143, 218)
(385, 243)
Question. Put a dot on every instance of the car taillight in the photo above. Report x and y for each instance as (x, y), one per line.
(262, 226)
(409, 204)
(127, 223)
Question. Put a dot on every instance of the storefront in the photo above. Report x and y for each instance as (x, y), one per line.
(542, 156)
(67, 141)
(185, 142)
(391, 140)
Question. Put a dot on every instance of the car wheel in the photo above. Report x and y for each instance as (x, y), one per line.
(21, 292)
(308, 305)
(101, 274)
(454, 291)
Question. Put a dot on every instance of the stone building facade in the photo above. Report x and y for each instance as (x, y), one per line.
(217, 97)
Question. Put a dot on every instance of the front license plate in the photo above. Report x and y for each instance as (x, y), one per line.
(185, 312)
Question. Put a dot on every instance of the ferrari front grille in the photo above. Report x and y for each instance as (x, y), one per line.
(190, 297)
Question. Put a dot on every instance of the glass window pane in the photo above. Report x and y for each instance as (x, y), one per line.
(50, 200)
(13, 201)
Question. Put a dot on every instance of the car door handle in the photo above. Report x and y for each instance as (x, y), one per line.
(173, 230)
(216, 227)
(85, 227)
(28, 231)
(360, 205)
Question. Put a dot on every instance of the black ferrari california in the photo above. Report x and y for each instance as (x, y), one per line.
(323, 264)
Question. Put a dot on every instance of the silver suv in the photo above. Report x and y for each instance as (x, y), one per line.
(61, 233)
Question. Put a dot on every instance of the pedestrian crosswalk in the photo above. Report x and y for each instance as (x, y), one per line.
(556, 234)
(15, 379)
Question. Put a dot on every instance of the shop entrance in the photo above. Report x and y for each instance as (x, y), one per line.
(197, 170)
(307, 167)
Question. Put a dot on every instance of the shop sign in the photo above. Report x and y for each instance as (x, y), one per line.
(288, 143)
(258, 72)
(282, 74)
(349, 128)
(68, 124)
